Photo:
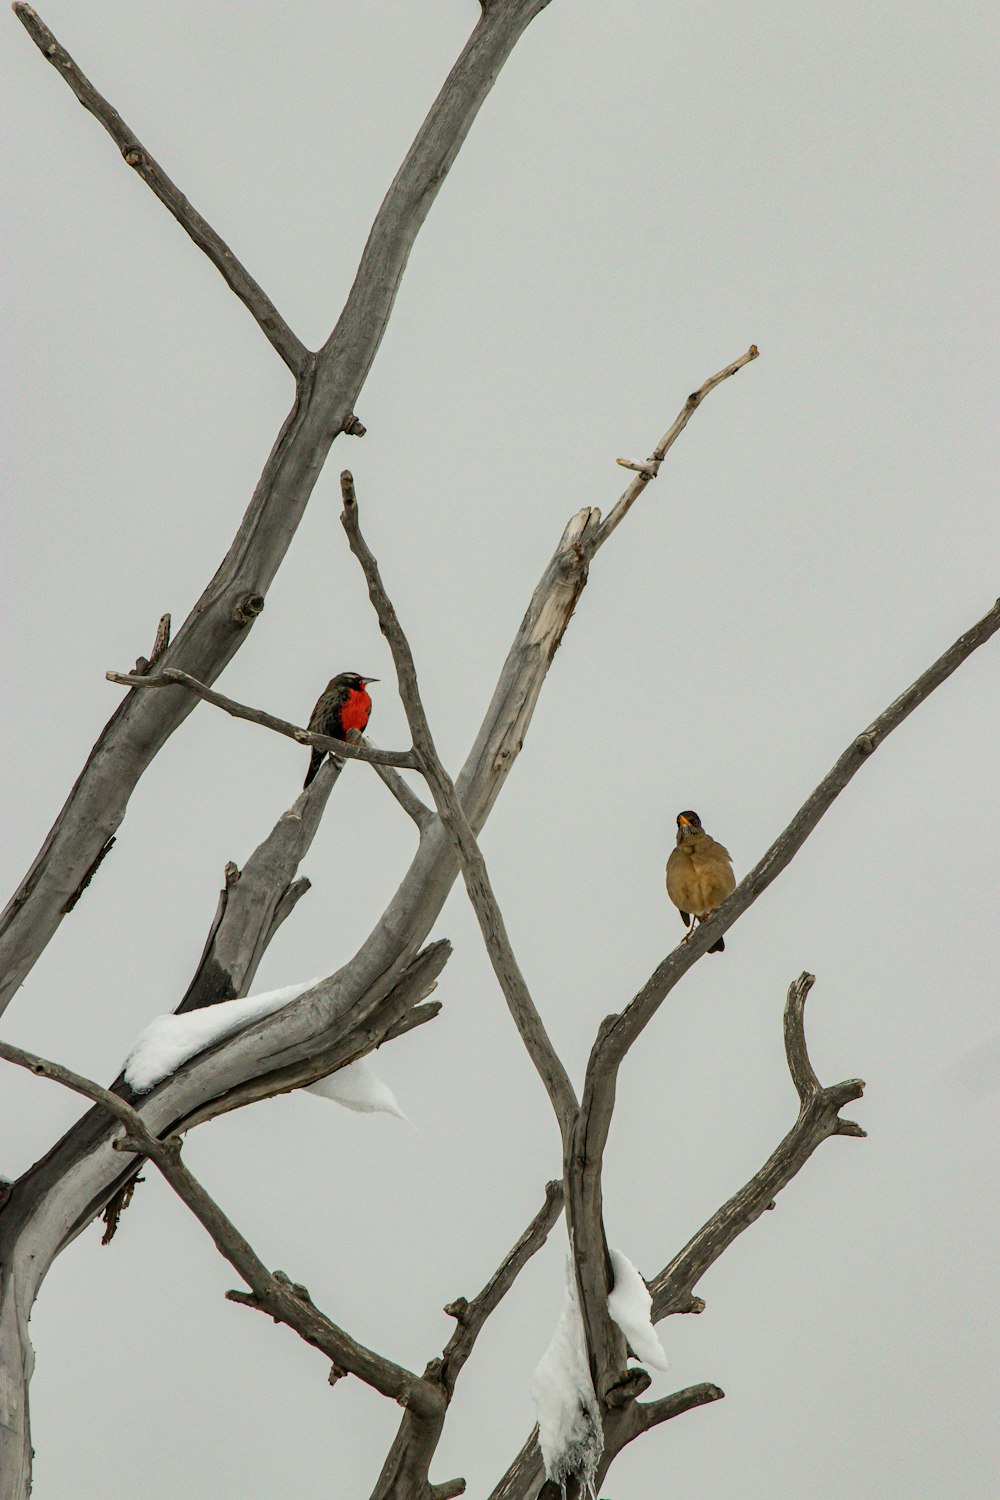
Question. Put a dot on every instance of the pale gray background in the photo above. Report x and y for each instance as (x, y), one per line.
(648, 190)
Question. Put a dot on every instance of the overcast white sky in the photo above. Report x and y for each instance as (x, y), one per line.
(648, 190)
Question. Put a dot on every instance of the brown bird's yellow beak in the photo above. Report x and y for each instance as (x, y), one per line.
(682, 819)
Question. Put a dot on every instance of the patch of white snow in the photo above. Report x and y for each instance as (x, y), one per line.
(358, 1086)
(570, 1435)
(169, 1041)
(629, 1305)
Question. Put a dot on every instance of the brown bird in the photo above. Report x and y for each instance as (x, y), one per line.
(699, 874)
(343, 705)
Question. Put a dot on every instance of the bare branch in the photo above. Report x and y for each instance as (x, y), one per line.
(343, 749)
(643, 1007)
(325, 401)
(252, 905)
(119, 1108)
(237, 277)
(644, 472)
(477, 882)
(618, 1033)
(818, 1119)
(282, 1300)
(404, 1473)
(471, 1316)
(257, 899)
(413, 806)
(652, 1413)
(62, 1193)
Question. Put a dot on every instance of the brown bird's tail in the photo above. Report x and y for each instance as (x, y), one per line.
(315, 761)
(719, 947)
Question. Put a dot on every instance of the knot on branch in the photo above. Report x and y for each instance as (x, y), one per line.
(865, 744)
(352, 427)
(133, 155)
(295, 1287)
(457, 1309)
(247, 608)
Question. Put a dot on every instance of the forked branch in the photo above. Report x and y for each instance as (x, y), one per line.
(282, 1299)
(819, 1118)
(619, 1032)
(405, 1473)
(326, 394)
(477, 881)
(471, 1316)
(648, 470)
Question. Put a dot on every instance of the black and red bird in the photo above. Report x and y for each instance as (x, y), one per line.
(343, 705)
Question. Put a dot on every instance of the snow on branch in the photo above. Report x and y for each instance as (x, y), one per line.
(170, 1040)
(570, 1433)
(630, 1304)
(358, 1087)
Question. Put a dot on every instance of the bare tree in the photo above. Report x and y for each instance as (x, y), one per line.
(383, 991)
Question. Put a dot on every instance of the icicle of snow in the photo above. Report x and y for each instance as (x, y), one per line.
(570, 1435)
(629, 1305)
(169, 1041)
(358, 1086)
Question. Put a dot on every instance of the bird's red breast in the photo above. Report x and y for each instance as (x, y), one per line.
(356, 710)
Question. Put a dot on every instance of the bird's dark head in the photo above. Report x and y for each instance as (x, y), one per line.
(352, 680)
(688, 823)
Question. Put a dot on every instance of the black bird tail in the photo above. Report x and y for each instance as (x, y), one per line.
(719, 947)
(315, 761)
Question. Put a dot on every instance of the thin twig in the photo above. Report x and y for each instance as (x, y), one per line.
(295, 354)
(282, 1300)
(645, 1004)
(343, 749)
(477, 882)
(414, 807)
(471, 1316)
(644, 472)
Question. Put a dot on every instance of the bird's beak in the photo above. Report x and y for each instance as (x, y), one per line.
(367, 680)
(685, 822)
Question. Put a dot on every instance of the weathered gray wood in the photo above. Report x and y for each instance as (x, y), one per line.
(819, 1118)
(474, 872)
(67, 1189)
(324, 406)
